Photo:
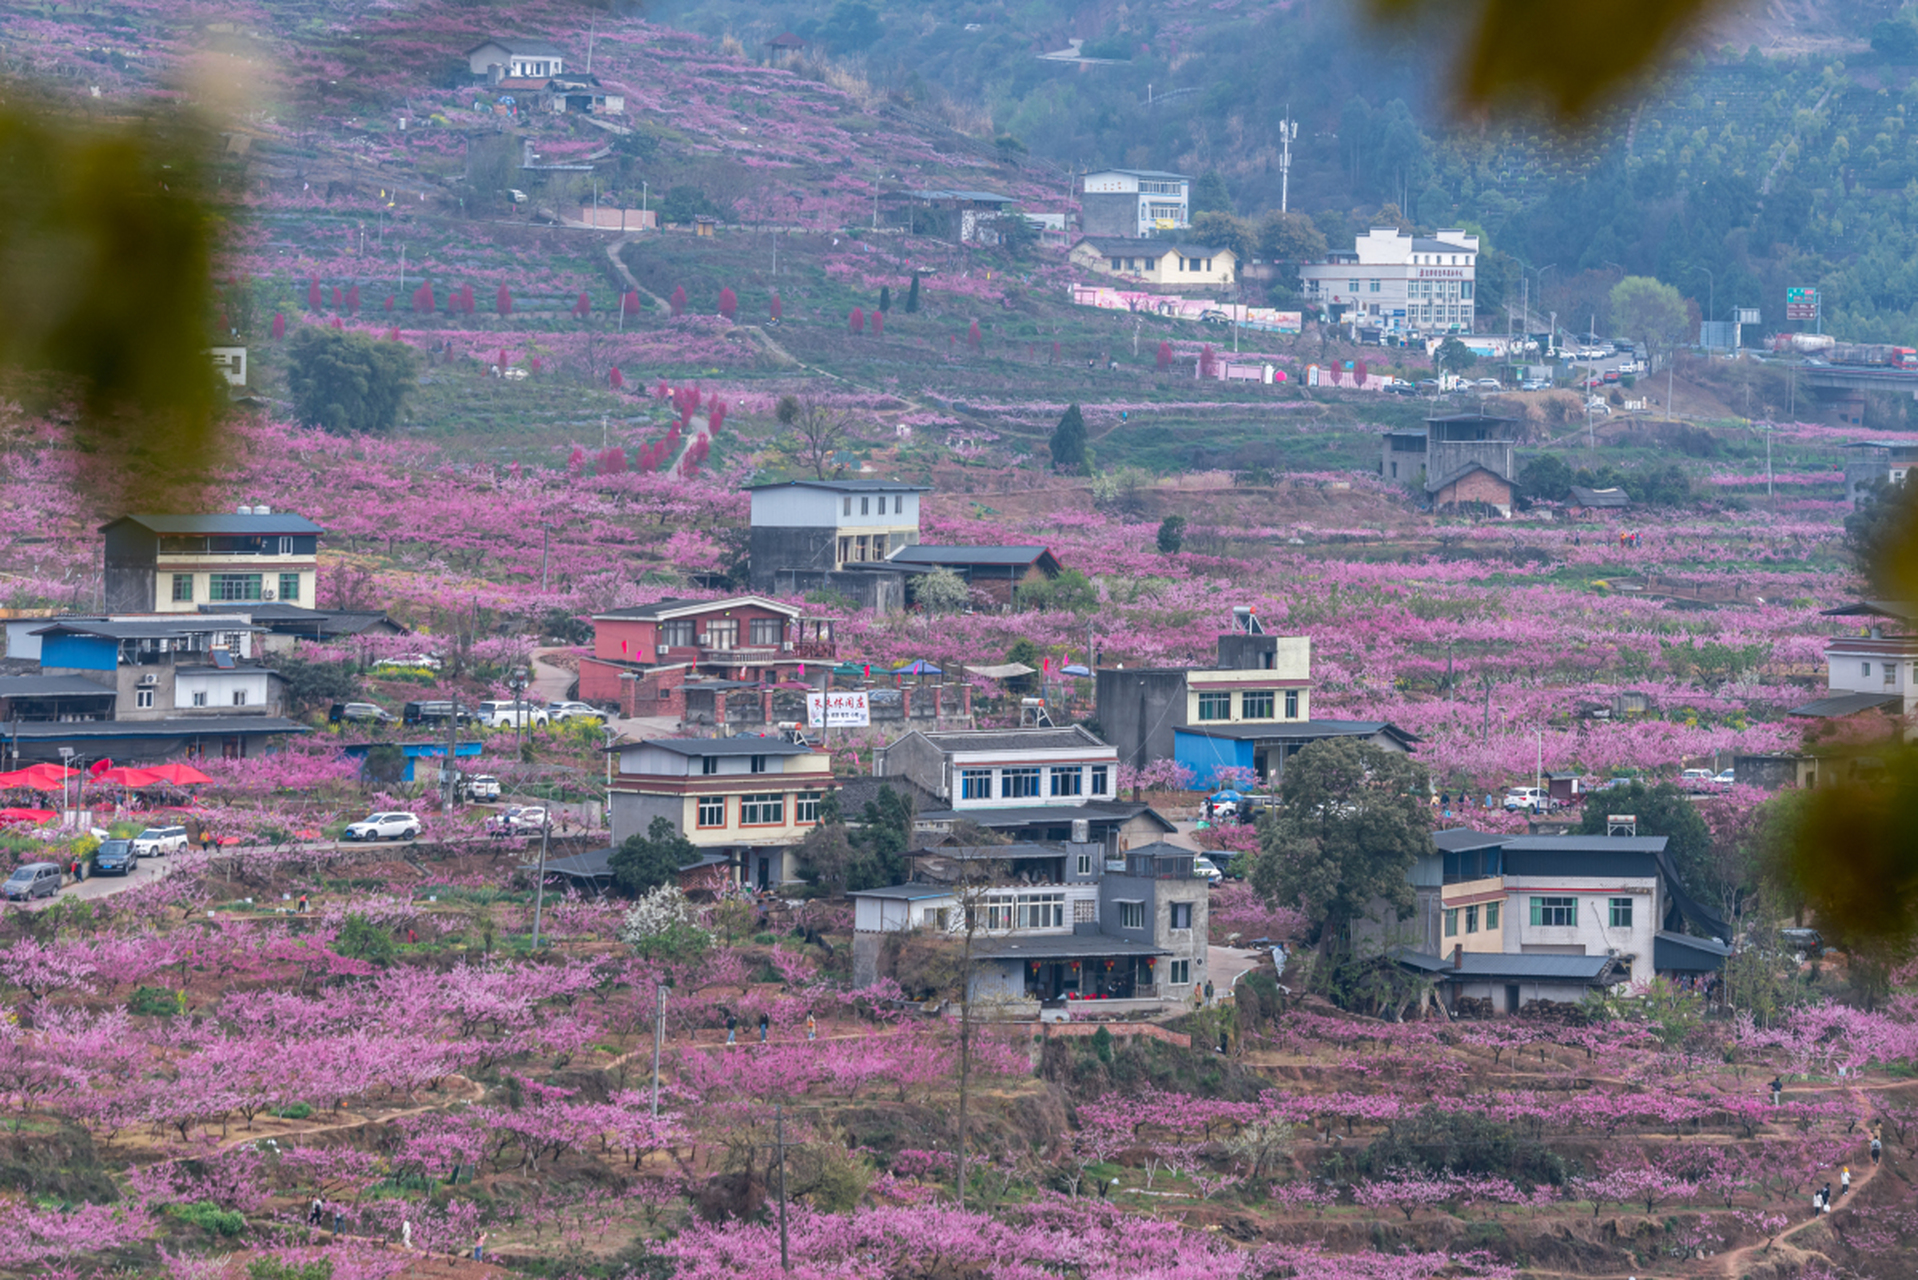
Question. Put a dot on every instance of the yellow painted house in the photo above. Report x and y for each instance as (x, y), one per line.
(1170, 264)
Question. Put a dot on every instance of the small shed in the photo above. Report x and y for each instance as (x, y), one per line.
(1563, 787)
(705, 225)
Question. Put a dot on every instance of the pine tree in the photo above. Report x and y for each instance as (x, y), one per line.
(1069, 442)
(885, 299)
(912, 295)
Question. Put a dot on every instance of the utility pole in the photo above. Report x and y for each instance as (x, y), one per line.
(1288, 130)
(402, 271)
(545, 536)
(659, 1041)
(779, 1136)
(539, 888)
(450, 777)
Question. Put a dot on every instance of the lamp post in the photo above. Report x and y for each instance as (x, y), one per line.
(66, 762)
(517, 683)
(539, 883)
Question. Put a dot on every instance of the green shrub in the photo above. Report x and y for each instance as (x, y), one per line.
(154, 1002)
(209, 1217)
(361, 939)
(294, 1111)
(274, 1269)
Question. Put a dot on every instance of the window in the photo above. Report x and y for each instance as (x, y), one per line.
(1291, 704)
(899, 504)
(845, 550)
(1018, 784)
(1891, 673)
(848, 509)
(1085, 910)
(1491, 915)
(806, 808)
(1179, 973)
(722, 633)
(1465, 290)
(1132, 915)
(1555, 912)
(865, 506)
(183, 588)
(143, 698)
(239, 697)
(1355, 286)
(1864, 668)
(712, 811)
(234, 586)
(1215, 706)
(708, 765)
(1181, 915)
(677, 634)
(1068, 782)
(1471, 919)
(1256, 706)
(879, 545)
(1373, 285)
(1150, 263)
(1042, 911)
(199, 697)
(1085, 868)
(975, 784)
(1451, 922)
(290, 587)
(1118, 264)
(766, 630)
(1621, 913)
(767, 810)
(756, 764)
(1098, 784)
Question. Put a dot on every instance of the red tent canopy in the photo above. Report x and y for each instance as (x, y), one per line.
(27, 815)
(128, 776)
(180, 775)
(41, 777)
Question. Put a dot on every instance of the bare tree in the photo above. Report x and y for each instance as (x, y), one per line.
(818, 430)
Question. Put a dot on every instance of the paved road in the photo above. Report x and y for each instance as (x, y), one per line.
(150, 869)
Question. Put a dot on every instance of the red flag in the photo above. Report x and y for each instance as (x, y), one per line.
(869, 671)
(100, 766)
(1045, 666)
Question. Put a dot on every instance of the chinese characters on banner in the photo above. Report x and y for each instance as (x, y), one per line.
(837, 711)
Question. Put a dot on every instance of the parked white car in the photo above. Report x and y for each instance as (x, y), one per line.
(574, 711)
(508, 715)
(482, 786)
(522, 818)
(384, 826)
(1725, 778)
(1207, 870)
(1696, 779)
(1530, 799)
(157, 842)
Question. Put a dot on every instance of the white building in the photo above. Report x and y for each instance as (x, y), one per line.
(514, 58)
(1134, 202)
(1400, 282)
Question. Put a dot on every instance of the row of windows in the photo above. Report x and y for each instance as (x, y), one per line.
(865, 505)
(1026, 911)
(143, 698)
(763, 810)
(1128, 264)
(709, 765)
(1548, 912)
(1132, 915)
(235, 586)
(1889, 668)
(721, 633)
(1471, 919)
(1256, 704)
(1023, 783)
(863, 547)
(1195, 264)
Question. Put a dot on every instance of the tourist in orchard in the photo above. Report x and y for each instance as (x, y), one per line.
(732, 1028)
(764, 1023)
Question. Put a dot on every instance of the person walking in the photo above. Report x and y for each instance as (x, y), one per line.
(1877, 1148)
(764, 1022)
(479, 1248)
(1844, 1182)
(406, 1234)
(1777, 1090)
(1208, 991)
(732, 1029)
(812, 1027)
(1817, 1202)
(302, 904)
(313, 1213)
(1826, 1193)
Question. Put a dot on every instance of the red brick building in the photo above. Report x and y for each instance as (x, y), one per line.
(643, 655)
(1473, 482)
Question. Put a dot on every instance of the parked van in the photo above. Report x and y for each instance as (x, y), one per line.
(432, 713)
(33, 880)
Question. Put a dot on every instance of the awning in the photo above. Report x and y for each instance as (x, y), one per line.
(917, 667)
(1004, 671)
(41, 777)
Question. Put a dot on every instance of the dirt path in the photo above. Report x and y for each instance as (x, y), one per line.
(476, 1091)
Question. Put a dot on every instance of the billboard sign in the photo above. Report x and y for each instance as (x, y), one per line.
(838, 711)
(1801, 304)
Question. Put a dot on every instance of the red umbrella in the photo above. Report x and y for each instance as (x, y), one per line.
(27, 815)
(40, 777)
(128, 776)
(180, 775)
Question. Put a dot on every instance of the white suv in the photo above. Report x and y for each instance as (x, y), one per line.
(1532, 799)
(157, 842)
(384, 826)
(507, 714)
(574, 711)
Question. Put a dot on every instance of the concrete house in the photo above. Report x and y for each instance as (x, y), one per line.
(1059, 923)
(1032, 784)
(1396, 281)
(175, 563)
(515, 58)
(833, 535)
(1874, 670)
(1870, 461)
(1458, 458)
(744, 801)
(1162, 263)
(1134, 203)
(1259, 682)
